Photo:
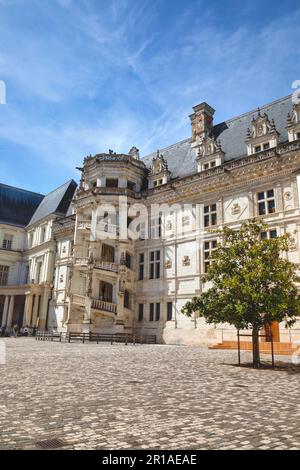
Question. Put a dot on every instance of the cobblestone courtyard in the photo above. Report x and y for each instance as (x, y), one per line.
(153, 397)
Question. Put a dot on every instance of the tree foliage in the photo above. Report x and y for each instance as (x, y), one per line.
(250, 281)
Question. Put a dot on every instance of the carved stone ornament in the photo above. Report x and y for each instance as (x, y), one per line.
(287, 195)
(186, 261)
(169, 225)
(208, 146)
(260, 126)
(159, 165)
(185, 220)
(168, 264)
(235, 209)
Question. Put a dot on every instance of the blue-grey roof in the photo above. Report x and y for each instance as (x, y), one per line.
(17, 206)
(232, 135)
(57, 202)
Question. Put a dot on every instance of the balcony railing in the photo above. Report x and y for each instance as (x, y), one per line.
(84, 225)
(106, 306)
(82, 262)
(99, 264)
(107, 266)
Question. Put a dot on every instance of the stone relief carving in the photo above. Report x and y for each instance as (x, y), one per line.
(260, 126)
(235, 208)
(287, 195)
(186, 261)
(168, 264)
(159, 165)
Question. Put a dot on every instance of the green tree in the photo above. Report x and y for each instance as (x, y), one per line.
(251, 282)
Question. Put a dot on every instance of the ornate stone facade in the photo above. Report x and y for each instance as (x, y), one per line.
(106, 281)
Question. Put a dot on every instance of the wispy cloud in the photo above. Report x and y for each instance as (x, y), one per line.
(85, 76)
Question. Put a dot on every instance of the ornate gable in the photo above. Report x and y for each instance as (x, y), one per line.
(293, 123)
(159, 172)
(209, 153)
(262, 135)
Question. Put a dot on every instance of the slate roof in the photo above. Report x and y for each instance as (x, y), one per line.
(17, 206)
(232, 135)
(57, 202)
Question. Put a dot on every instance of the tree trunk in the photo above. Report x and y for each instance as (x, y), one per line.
(255, 347)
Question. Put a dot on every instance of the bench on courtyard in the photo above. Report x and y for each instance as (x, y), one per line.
(124, 338)
(49, 336)
(111, 338)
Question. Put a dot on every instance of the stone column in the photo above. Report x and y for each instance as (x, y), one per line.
(5, 311)
(86, 324)
(25, 309)
(28, 309)
(10, 311)
(43, 312)
(35, 310)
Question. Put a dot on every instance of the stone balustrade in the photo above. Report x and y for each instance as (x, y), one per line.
(103, 305)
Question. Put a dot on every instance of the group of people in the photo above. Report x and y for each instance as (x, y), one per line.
(16, 330)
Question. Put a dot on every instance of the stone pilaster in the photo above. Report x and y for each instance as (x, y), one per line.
(10, 311)
(5, 311)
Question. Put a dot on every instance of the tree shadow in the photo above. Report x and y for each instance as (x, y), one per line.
(280, 366)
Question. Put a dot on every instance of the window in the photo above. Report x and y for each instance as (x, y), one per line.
(141, 266)
(7, 242)
(154, 309)
(266, 146)
(126, 299)
(269, 234)
(30, 240)
(4, 270)
(266, 202)
(257, 148)
(94, 184)
(156, 227)
(43, 234)
(298, 135)
(157, 312)
(151, 312)
(169, 311)
(128, 260)
(210, 215)
(38, 277)
(206, 166)
(209, 247)
(131, 185)
(154, 264)
(111, 182)
(212, 164)
(141, 312)
(141, 230)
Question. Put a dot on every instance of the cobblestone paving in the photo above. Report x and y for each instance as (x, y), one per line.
(151, 397)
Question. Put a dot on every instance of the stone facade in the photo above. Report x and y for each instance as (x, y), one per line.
(107, 281)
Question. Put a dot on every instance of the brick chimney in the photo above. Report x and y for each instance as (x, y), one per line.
(202, 122)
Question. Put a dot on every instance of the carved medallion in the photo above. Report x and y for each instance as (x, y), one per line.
(235, 209)
(186, 261)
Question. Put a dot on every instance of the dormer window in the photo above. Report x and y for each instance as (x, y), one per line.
(293, 123)
(159, 173)
(262, 135)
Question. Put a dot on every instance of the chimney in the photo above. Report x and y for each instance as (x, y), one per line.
(201, 121)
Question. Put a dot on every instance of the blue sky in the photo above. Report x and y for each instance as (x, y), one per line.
(83, 76)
